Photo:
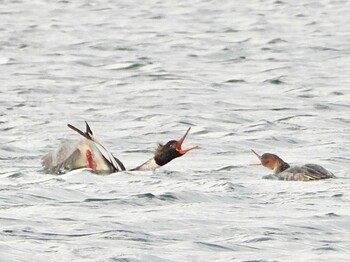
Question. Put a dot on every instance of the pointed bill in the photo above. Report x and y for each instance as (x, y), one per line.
(255, 153)
(180, 142)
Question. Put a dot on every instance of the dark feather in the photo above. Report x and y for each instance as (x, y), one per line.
(316, 172)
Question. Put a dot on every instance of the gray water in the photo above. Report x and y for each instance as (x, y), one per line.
(267, 75)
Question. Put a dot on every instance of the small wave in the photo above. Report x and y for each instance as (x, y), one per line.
(259, 260)
(233, 81)
(259, 239)
(125, 66)
(108, 47)
(213, 246)
(146, 195)
(168, 197)
(338, 195)
(324, 48)
(30, 233)
(124, 259)
(277, 41)
(100, 199)
(226, 186)
(162, 76)
(326, 248)
(331, 214)
(337, 93)
(274, 81)
(16, 175)
(227, 168)
(163, 197)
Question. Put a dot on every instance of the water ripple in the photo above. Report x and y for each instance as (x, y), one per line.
(269, 75)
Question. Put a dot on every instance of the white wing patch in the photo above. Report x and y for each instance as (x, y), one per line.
(114, 162)
(107, 155)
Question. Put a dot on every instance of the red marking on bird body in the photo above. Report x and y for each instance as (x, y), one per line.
(90, 161)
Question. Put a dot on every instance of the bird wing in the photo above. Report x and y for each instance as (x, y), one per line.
(115, 162)
(316, 172)
(306, 172)
(63, 159)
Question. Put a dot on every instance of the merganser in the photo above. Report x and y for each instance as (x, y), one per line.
(165, 153)
(283, 171)
(87, 153)
(90, 153)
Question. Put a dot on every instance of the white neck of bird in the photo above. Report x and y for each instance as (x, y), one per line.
(276, 169)
(149, 165)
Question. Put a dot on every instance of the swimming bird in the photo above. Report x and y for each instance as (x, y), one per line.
(90, 153)
(165, 153)
(283, 171)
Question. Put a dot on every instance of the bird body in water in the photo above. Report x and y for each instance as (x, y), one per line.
(90, 153)
(283, 171)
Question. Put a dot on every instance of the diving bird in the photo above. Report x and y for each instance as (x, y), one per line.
(90, 153)
(86, 153)
(283, 171)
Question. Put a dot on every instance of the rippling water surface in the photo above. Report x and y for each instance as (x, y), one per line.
(268, 75)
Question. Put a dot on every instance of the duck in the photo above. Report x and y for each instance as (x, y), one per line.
(165, 153)
(90, 153)
(283, 171)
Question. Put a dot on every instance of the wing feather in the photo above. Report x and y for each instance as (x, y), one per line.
(115, 162)
(316, 172)
(63, 159)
